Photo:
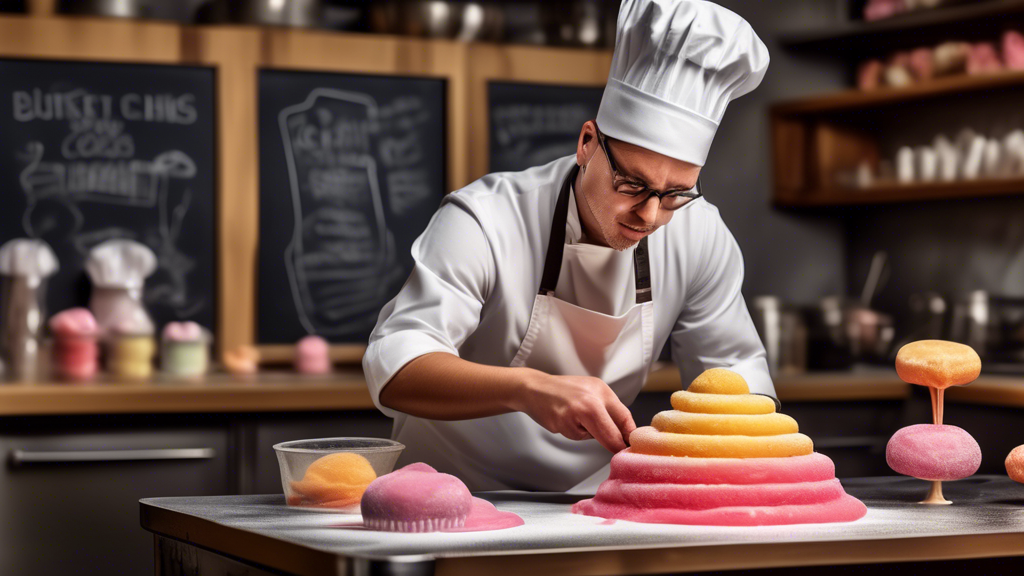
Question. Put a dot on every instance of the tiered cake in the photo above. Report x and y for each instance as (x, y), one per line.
(722, 457)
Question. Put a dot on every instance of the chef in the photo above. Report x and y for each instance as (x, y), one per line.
(540, 299)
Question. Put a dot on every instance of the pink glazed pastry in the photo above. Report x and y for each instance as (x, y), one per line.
(418, 498)
(312, 356)
(75, 351)
(933, 452)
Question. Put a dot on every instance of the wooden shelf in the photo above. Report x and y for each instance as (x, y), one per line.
(813, 141)
(861, 99)
(973, 20)
(906, 193)
(218, 393)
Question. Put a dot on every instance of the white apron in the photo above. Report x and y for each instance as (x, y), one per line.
(512, 451)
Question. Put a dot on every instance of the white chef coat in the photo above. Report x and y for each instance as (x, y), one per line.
(479, 263)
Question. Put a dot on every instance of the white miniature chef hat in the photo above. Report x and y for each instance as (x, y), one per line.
(29, 258)
(120, 264)
(676, 66)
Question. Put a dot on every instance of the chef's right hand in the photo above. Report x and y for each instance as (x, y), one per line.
(577, 407)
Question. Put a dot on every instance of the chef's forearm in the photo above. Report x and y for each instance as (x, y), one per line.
(441, 386)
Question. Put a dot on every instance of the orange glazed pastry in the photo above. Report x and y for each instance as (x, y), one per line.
(334, 481)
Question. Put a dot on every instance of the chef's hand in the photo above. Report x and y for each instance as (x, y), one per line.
(577, 407)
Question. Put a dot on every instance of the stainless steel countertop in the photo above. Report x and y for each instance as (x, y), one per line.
(986, 520)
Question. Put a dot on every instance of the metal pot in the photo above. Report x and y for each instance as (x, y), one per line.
(575, 23)
(300, 13)
(112, 8)
(482, 21)
(428, 18)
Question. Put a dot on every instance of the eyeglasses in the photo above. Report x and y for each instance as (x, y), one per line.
(670, 199)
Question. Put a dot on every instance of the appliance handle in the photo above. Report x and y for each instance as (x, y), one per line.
(23, 457)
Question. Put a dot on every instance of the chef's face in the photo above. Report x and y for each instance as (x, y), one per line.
(612, 218)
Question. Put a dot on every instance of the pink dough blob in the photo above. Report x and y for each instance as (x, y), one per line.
(312, 356)
(484, 516)
(707, 496)
(933, 452)
(844, 509)
(416, 498)
(722, 491)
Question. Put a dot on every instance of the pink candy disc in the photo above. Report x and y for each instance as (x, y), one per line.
(933, 452)
(707, 496)
(312, 355)
(416, 498)
(844, 509)
(646, 468)
(722, 491)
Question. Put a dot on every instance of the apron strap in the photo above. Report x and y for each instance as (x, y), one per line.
(556, 248)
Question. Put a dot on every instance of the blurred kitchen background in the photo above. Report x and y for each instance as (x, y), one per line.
(874, 181)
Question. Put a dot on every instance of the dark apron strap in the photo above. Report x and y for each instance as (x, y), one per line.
(556, 248)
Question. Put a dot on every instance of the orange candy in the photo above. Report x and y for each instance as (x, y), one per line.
(334, 481)
(937, 363)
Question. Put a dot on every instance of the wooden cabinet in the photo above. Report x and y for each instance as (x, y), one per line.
(70, 486)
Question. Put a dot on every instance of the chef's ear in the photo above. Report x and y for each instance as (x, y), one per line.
(587, 144)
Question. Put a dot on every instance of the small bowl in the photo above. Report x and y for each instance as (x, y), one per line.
(294, 457)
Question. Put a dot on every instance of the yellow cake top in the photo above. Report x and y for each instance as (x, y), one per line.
(718, 417)
(719, 381)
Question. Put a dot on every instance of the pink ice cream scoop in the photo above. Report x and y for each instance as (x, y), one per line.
(933, 452)
(312, 356)
(416, 498)
(75, 350)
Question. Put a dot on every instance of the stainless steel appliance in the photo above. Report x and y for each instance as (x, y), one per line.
(994, 326)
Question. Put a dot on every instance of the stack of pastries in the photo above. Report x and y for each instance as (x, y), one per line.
(723, 456)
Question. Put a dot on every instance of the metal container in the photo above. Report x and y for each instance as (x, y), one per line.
(994, 327)
(576, 23)
(22, 313)
(299, 13)
(111, 8)
(425, 18)
(784, 335)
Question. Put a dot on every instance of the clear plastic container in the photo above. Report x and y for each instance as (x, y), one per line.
(294, 457)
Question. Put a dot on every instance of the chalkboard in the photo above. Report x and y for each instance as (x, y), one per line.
(352, 168)
(533, 124)
(90, 152)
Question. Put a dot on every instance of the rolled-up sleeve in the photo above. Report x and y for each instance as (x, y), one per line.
(439, 305)
(714, 329)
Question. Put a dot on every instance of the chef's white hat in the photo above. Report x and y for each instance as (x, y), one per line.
(676, 66)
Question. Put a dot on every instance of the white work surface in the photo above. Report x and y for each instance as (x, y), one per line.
(986, 520)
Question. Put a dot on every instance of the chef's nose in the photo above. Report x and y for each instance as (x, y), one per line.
(648, 209)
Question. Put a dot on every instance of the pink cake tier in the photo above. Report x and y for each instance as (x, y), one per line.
(727, 465)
